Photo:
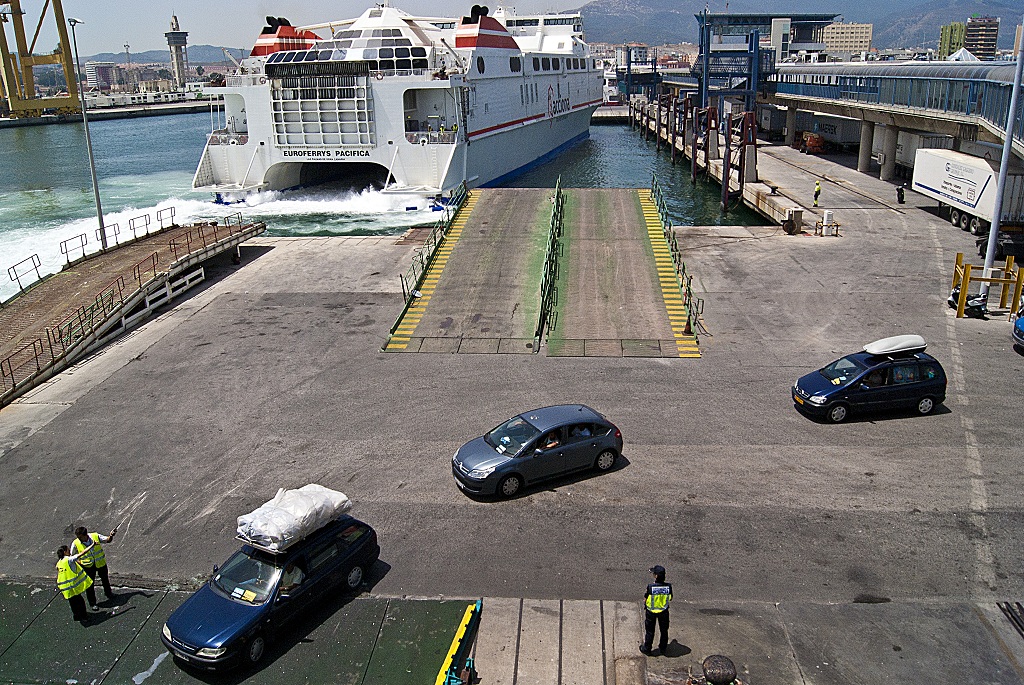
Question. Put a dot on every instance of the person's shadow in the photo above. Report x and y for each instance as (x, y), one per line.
(675, 650)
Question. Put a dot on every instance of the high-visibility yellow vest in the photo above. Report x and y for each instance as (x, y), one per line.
(95, 556)
(71, 580)
(658, 597)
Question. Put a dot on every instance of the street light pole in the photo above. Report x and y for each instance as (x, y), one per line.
(88, 141)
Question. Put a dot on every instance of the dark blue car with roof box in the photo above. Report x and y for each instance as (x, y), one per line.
(256, 592)
(892, 373)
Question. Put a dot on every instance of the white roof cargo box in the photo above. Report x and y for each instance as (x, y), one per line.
(291, 516)
(896, 344)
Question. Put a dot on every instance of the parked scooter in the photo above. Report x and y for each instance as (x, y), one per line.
(976, 306)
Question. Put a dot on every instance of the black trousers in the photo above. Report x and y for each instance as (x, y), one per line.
(661, 619)
(78, 607)
(102, 572)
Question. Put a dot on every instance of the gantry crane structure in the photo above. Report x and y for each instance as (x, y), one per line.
(19, 85)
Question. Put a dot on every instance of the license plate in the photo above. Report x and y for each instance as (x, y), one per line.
(460, 484)
(799, 400)
(181, 655)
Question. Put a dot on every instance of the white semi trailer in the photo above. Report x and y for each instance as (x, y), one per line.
(965, 186)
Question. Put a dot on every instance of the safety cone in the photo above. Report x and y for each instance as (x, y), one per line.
(688, 330)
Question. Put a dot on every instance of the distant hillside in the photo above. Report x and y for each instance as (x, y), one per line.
(197, 54)
(898, 23)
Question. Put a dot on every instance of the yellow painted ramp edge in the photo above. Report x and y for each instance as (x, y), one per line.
(686, 343)
(414, 314)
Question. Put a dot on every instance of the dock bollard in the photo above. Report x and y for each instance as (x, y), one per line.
(719, 670)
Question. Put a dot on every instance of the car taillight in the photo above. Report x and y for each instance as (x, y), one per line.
(618, 433)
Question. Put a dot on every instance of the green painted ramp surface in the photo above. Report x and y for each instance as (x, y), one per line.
(19, 606)
(414, 640)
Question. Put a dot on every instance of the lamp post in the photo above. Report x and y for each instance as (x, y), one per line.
(88, 141)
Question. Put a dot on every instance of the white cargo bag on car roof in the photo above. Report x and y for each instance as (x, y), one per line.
(291, 516)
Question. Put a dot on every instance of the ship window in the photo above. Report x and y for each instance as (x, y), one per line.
(420, 64)
(387, 64)
(480, 64)
(401, 52)
(371, 54)
(575, 63)
(522, 97)
(515, 64)
(273, 58)
(376, 33)
(371, 65)
(419, 52)
(338, 54)
(373, 43)
(386, 52)
(536, 63)
(546, 63)
(288, 56)
(555, 64)
(324, 55)
(344, 44)
(311, 56)
(403, 63)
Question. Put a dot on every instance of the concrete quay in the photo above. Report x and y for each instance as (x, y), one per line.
(105, 114)
(870, 551)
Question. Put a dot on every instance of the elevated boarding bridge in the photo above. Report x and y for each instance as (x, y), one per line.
(57, 320)
(969, 101)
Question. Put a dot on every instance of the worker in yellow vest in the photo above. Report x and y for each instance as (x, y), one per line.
(72, 582)
(95, 561)
(656, 601)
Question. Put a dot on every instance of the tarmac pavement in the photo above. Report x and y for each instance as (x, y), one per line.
(871, 551)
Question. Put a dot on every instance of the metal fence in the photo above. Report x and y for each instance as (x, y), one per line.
(549, 281)
(694, 305)
(424, 256)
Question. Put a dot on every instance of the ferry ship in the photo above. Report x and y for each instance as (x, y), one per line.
(411, 105)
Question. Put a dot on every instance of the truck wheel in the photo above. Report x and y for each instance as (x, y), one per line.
(977, 226)
(954, 216)
(965, 221)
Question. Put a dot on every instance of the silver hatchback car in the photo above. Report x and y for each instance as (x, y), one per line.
(534, 446)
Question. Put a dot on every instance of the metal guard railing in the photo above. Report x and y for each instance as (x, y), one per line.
(549, 280)
(37, 354)
(694, 305)
(424, 256)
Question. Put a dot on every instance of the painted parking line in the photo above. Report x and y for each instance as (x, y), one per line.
(671, 291)
(414, 314)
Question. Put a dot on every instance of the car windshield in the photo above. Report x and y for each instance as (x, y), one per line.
(247, 579)
(842, 370)
(511, 436)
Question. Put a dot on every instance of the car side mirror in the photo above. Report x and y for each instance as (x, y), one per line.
(537, 452)
(283, 597)
(865, 386)
(215, 569)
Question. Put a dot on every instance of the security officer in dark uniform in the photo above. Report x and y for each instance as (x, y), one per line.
(656, 601)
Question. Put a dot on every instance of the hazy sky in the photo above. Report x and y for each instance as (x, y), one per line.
(109, 24)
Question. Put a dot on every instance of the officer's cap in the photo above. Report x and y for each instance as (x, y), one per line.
(658, 570)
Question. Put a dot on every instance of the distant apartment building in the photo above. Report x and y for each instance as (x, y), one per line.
(848, 37)
(951, 38)
(100, 75)
(638, 53)
(981, 36)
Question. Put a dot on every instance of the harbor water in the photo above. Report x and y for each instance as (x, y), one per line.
(147, 164)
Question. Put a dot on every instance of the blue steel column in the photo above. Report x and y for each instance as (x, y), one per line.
(705, 56)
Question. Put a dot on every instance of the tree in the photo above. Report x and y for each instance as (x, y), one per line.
(164, 74)
(200, 70)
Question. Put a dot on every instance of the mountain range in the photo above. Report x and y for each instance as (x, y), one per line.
(197, 54)
(897, 23)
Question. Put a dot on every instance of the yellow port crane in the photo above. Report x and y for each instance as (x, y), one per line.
(19, 85)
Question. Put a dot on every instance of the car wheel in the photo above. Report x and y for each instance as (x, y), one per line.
(965, 221)
(509, 486)
(605, 460)
(838, 413)
(954, 217)
(354, 579)
(256, 648)
(977, 226)
(925, 406)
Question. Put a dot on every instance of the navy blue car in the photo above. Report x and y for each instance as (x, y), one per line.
(230, 619)
(1018, 329)
(892, 373)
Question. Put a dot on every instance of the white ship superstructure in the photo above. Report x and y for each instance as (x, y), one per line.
(409, 104)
